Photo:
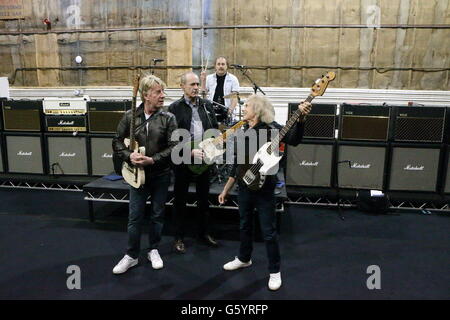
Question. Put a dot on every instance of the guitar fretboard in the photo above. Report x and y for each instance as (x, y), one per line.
(133, 123)
(224, 135)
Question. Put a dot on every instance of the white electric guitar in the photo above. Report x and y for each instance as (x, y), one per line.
(265, 162)
(135, 176)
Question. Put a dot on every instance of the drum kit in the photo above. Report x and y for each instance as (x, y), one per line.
(221, 110)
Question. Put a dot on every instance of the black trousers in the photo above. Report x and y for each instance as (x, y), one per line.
(183, 177)
(264, 202)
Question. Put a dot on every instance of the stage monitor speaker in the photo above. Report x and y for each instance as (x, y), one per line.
(309, 164)
(363, 122)
(22, 115)
(365, 169)
(320, 122)
(67, 155)
(419, 124)
(414, 169)
(101, 155)
(104, 116)
(24, 153)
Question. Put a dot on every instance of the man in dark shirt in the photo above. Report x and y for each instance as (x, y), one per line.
(195, 115)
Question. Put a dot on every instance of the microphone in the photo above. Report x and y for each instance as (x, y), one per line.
(157, 60)
(238, 66)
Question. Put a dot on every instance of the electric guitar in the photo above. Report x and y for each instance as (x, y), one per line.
(135, 176)
(265, 161)
(212, 148)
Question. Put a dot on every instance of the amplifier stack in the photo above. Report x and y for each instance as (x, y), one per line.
(395, 148)
(416, 150)
(59, 136)
(311, 162)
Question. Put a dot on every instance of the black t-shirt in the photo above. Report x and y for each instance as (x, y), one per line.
(218, 94)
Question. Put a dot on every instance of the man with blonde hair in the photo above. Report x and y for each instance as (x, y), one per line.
(259, 113)
(153, 129)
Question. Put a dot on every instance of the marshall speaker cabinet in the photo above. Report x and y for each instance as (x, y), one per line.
(24, 152)
(22, 115)
(364, 122)
(361, 166)
(320, 122)
(101, 154)
(419, 124)
(104, 116)
(310, 163)
(446, 171)
(67, 154)
(414, 168)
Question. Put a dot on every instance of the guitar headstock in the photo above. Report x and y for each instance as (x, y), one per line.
(321, 84)
(136, 81)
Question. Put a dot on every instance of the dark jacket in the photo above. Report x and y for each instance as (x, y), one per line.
(293, 137)
(183, 114)
(158, 144)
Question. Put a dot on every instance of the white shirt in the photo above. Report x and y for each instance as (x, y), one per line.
(230, 84)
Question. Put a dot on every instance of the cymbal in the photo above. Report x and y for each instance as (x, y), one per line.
(235, 94)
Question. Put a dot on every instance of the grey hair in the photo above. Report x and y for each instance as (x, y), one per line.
(262, 107)
(184, 75)
(149, 81)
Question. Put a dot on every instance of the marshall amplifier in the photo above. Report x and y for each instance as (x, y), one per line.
(320, 122)
(362, 122)
(414, 169)
(361, 166)
(67, 154)
(101, 154)
(22, 115)
(310, 164)
(419, 124)
(104, 116)
(24, 153)
(65, 106)
(65, 123)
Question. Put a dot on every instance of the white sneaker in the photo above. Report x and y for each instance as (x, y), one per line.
(275, 281)
(126, 263)
(155, 259)
(236, 264)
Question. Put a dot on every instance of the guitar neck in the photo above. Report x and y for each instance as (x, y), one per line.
(133, 123)
(224, 135)
(292, 120)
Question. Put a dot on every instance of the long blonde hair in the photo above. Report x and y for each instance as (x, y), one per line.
(262, 107)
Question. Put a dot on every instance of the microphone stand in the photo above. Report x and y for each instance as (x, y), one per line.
(255, 86)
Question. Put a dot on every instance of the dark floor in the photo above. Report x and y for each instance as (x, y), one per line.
(323, 257)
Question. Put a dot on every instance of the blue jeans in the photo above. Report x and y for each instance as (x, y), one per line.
(157, 188)
(264, 202)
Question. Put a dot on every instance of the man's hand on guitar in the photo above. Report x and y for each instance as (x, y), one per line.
(305, 109)
(139, 160)
(198, 153)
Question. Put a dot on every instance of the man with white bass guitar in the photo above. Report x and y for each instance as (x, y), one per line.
(153, 129)
(259, 113)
